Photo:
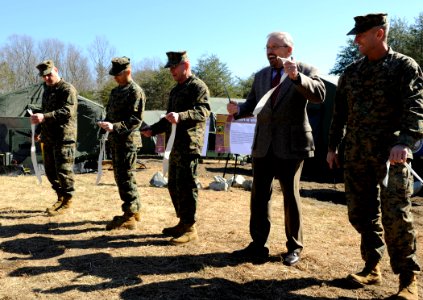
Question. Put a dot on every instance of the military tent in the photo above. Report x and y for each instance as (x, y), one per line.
(15, 128)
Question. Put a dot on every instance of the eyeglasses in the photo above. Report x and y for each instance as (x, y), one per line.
(273, 48)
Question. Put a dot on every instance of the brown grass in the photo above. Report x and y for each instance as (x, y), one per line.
(73, 257)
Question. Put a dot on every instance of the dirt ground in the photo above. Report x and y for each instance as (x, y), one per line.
(73, 257)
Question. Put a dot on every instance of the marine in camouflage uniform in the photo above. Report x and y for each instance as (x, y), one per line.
(379, 107)
(189, 100)
(124, 115)
(58, 127)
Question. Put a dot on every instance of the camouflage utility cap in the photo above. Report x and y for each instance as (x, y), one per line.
(119, 64)
(45, 67)
(364, 23)
(175, 58)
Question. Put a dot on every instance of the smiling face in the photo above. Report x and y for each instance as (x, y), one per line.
(277, 46)
(371, 43)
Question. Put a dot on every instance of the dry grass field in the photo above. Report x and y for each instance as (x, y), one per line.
(73, 257)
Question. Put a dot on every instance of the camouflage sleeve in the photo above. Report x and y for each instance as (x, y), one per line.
(412, 105)
(161, 126)
(63, 113)
(339, 118)
(201, 109)
(136, 102)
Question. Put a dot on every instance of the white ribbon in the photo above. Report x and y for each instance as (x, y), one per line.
(266, 97)
(385, 180)
(33, 153)
(413, 172)
(101, 155)
(168, 150)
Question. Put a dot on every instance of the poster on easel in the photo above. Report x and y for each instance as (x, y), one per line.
(234, 136)
(161, 141)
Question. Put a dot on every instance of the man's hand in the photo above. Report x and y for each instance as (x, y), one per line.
(106, 126)
(147, 132)
(398, 154)
(172, 117)
(37, 118)
(331, 158)
(232, 107)
(290, 67)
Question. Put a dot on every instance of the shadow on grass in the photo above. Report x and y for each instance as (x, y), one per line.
(230, 170)
(20, 214)
(221, 288)
(126, 273)
(51, 228)
(326, 195)
(46, 247)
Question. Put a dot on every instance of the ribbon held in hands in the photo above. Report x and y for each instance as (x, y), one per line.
(407, 165)
(168, 150)
(33, 153)
(266, 97)
(101, 155)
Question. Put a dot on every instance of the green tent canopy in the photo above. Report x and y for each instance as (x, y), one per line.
(15, 127)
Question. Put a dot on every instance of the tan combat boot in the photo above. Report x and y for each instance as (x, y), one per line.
(127, 221)
(368, 276)
(56, 205)
(175, 231)
(189, 234)
(65, 207)
(137, 216)
(408, 289)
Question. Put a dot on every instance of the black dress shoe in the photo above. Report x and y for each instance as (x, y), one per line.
(291, 258)
(252, 253)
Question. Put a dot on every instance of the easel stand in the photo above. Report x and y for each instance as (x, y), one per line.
(226, 166)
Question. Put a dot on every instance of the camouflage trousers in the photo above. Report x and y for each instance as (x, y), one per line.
(182, 185)
(381, 213)
(58, 164)
(124, 159)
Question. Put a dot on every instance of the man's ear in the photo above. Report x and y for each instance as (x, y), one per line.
(290, 49)
(380, 33)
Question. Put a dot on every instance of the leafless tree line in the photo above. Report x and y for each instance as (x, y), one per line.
(89, 74)
(20, 54)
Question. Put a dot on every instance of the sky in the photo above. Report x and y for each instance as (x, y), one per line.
(233, 30)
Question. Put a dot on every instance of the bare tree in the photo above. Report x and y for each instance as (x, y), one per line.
(76, 69)
(7, 77)
(20, 56)
(52, 49)
(101, 52)
(147, 64)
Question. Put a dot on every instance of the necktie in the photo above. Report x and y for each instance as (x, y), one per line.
(275, 82)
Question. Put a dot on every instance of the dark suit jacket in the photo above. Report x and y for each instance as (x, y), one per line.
(285, 127)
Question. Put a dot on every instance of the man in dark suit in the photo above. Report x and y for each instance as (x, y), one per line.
(283, 139)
